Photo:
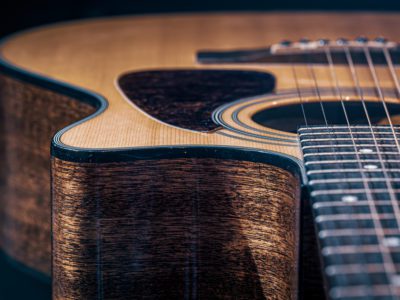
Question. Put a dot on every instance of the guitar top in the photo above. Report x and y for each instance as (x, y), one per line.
(192, 156)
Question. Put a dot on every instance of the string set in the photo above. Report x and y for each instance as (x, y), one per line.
(388, 262)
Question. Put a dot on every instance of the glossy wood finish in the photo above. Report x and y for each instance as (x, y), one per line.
(93, 54)
(32, 116)
(96, 205)
(174, 228)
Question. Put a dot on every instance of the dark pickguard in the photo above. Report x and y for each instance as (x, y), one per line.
(187, 98)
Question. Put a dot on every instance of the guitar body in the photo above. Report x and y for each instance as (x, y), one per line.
(174, 173)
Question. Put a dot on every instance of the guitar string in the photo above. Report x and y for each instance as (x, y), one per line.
(392, 70)
(393, 73)
(369, 194)
(339, 93)
(381, 95)
(388, 262)
(310, 68)
(374, 212)
(330, 129)
(299, 92)
(394, 77)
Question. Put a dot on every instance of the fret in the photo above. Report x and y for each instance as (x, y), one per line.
(348, 153)
(352, 157)
(339, 204)
(371, 186)
(347, 180)
(356, 268)
(350, 191)
(353, 180)
(351, 216)
(323, 234)
(354, 223)
(351, 198)
(365, 167)
(325, 162)
(360, 243)
(364, 291)
(351, 279)
(351, 257)
(332, 259)
(346, 133)
(351, 208)
(350, 240)
(351, 170)
(367, 139)
(346, 146)
(383, 128)
(350, 249)
(354, 176)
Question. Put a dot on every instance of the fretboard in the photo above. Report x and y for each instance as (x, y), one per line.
(354, 180)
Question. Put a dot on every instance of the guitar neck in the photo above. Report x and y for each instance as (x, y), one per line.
(354, 181)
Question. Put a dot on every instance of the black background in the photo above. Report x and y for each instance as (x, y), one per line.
(19, 14)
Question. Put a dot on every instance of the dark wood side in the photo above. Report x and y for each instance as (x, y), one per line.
(198, 228)
(310, 276)
(30, 116)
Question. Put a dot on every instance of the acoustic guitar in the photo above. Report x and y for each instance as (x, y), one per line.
(215, 156)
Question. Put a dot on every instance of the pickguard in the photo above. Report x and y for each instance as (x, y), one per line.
(187, 98)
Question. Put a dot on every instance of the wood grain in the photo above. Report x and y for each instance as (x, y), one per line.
(119, 223)
(93, 54)
(31, 115)
(175, 228)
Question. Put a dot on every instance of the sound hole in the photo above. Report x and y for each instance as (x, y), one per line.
(289, 118)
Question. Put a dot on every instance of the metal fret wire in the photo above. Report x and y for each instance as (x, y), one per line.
(388, 260)
(312, 72)
(340, 94)
(381, 98)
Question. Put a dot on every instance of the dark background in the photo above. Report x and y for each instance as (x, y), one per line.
(19, 14)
